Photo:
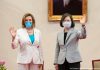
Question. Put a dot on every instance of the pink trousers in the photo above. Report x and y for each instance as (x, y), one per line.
(30, 66)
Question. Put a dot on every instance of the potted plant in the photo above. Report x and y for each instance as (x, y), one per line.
(2, 67)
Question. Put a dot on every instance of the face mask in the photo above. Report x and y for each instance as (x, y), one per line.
(67, 24)
(28, 24)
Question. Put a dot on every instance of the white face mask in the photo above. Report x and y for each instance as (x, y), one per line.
(67, 24)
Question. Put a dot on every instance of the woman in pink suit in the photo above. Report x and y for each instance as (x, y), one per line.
(28, 38)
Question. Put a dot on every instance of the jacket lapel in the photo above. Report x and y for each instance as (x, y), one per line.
(62, 36)
(68, 36)
(34, 35)
(27, 36)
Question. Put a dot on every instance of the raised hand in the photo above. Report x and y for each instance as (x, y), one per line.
(83, 20)
(12, 31)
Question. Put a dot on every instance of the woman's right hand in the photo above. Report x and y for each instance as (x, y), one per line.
(56, 66)
(12, 31)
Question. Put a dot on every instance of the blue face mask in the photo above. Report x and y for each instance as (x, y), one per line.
(28, 24)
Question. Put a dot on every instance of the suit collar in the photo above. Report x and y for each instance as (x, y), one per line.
(68, 38)
(69, 33)
(27, 35)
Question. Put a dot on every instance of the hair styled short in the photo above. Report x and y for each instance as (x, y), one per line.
(64, 16)
(23, 20)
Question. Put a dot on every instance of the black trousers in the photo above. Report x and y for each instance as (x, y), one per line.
(69, 66)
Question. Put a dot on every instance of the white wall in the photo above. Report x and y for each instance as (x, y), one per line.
(11, 13)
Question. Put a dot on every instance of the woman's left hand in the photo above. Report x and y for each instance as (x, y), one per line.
(83, 20)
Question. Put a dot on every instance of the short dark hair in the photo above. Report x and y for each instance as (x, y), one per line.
(23, 20)
(64, 16)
